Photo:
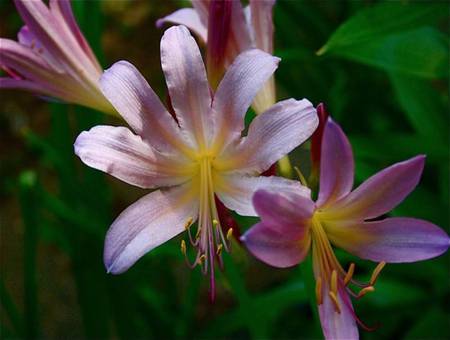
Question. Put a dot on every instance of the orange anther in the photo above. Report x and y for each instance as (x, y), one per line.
(183, 247)
(219, 249)
(364, 291)
(376, 272)
(349, 274)
(229, 233)
(335, 301)
(334, 282)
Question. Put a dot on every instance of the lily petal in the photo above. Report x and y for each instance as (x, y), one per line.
(283, 207)
(243, 79)
(262, 24)
(189, 18)
(236, 191)
(146, 224)
(117, 151)
(398, 239)
(381, 192)
(279, 245)
(336, 326)
(186, 80)
(137, 103)
(336, 166)
(272, 135)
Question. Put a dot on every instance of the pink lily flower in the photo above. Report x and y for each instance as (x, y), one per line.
(250, 27)
(194, 158)
(52, 57)
(292, 224)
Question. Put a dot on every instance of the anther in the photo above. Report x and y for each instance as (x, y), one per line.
(201, 259)
(319, 291)
(215, 222)
(219, 249)
(188, 223)
(334, 281)
(183, 247)
(364, 291)
(229, 233)
(335, 301)
(376, 272)
(349, 274)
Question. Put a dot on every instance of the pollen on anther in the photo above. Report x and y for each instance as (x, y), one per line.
(219, 249)
(364, 291)
(319, 291)
(376, 272)
(188, 223)
(334, 281)
(349, 274)
(183, 247)
(229, 233)
(335, 301)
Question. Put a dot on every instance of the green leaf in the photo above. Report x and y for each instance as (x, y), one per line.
(392, 37)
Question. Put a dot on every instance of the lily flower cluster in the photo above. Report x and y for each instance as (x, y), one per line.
(197, 156)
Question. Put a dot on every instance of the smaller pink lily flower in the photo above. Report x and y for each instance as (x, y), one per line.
(52, 58)
(250, 27)
(292, 224)
(195, 158)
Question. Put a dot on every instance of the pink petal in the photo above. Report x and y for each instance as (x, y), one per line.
(117, 151)
(202, 9)
(187, 17)
(398, 239)
(283, 207)
(278, 245)
(336, 326)
(272, 135)
(187, 83)
(262, 24)
(240, 33)
(146, 224)
(10, 83)
(336, 165)
(236, 191)
(136, 102)
(381, 192)
(236, 91)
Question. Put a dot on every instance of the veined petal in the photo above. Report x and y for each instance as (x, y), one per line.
(186, 80)
(11, 83)
(283, 207)
(337, 326)
(137, 103)
(380, 193)
(243, 79)
(398, 239)
(240, 37)
(236, 191)
(271, 135)
(202, 8)
(279, 245)
(117, 151)
(336, 165)
(262, 24)
(146, 224)
(187, 17)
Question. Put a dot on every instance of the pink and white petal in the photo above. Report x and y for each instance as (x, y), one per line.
(283, 207)
(146, 224)
(21, 84)
(243, 79)
(262, 24)
(380, 193)
(336, 165)
(236, 191)
(398, 239)
(117, 151)
(189, 18)
(62, 10)
(336, 326)
(240, 38)
(272, 135)
(278, 245)
(188, 85)
(137, 103)
(202, 8)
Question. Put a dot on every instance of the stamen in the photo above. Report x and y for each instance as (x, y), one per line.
(319, 291)
(215, 222)
(300, 176)
(188, 223)
(334, 282)
(229, 234)
(183, 247)
(349, 274)
(364, 291)
(335, 301)
(219, 249)
(376, 272)
(201, 259)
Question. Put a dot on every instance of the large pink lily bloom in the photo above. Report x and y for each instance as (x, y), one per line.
(251, 27)
(292, 224)
(52, 58)
(194, 158)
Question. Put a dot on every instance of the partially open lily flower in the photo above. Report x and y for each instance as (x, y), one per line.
(251, 27)
(52, 58)
(194, 158)
(292, 224)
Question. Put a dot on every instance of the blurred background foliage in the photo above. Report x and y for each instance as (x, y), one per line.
(382, 69)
